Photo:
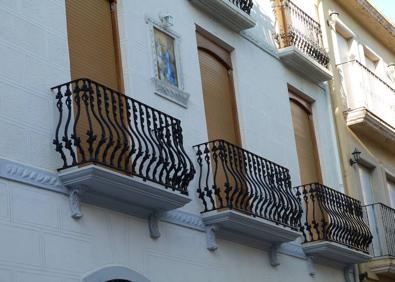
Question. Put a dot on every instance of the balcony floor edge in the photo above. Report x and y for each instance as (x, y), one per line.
(129, 194)
(303, 64)
(334, 252)
(230, 222)
(384, 265)
(227, 13)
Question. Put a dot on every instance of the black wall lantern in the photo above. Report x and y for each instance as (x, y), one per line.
(356, 157)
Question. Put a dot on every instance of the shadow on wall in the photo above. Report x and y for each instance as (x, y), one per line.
(265, 24)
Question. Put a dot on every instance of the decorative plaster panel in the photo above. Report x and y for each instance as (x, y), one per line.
(30, 175)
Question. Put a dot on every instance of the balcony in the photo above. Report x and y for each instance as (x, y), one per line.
(333, 226)
(300, 43)
(370, 103)
(245, 197)
(119, 153)
(381, 219)
(235, 14)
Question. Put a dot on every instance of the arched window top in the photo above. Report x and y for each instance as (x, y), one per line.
(114, 274)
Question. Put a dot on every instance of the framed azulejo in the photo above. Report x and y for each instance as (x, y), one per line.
(167, 72)
(165, 57)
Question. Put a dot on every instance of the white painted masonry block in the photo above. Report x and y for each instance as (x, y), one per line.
(20, 245)
(4, 201)
(5, 275)
(34, 208)
(67, 253)
(35, 277)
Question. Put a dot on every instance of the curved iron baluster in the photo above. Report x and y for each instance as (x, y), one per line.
(199, 190)
(207, 190)
(160, 146)
(162, 138)
(56, 142)
(109, 124)
(77, 102)
(101, 121)
(67, 141)
(215, 169)
(120, 123)
(171, 168)
(151, 149)
(113, 117)
(231, 168)
(227, 185)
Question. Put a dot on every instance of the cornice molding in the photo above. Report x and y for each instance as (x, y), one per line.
(379, 17)
(34, 176)
(184, 219)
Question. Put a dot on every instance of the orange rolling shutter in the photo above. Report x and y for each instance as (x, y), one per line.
(305, 141)
(94, 54)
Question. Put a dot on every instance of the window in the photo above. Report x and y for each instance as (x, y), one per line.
(343, 46)
(366, 184)
(391, 191)
(366, 178)
(93, 43)
(371, 59)
(306, 146)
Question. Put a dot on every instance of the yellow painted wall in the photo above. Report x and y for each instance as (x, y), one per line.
(373, 154)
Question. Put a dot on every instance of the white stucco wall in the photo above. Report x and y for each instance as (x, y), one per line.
(38, 239)
(33, 58)
(40, 242)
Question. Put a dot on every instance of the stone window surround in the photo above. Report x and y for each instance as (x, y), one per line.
(173, 93)
(109, 273)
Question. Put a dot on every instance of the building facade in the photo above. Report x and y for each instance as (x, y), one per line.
(183, 140)
(363, 95)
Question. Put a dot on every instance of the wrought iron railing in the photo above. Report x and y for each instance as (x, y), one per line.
(233, 178)
(381, 219)
(365, 89)
(332, 216)
(244, 5)
(298, 29)
(101, 126)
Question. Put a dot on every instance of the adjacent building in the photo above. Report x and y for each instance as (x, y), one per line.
(361, 44)
(195, 140)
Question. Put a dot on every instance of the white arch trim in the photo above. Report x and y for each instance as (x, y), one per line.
(114, 272)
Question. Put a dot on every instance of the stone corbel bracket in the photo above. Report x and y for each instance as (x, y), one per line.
(75, 203)
(273, 255)
(153, 225)
(349, 273)
(310, 266)
(211, 238)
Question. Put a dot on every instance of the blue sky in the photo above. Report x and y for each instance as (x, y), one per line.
(387, 7)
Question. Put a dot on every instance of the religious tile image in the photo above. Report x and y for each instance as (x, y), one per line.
(165, 57)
